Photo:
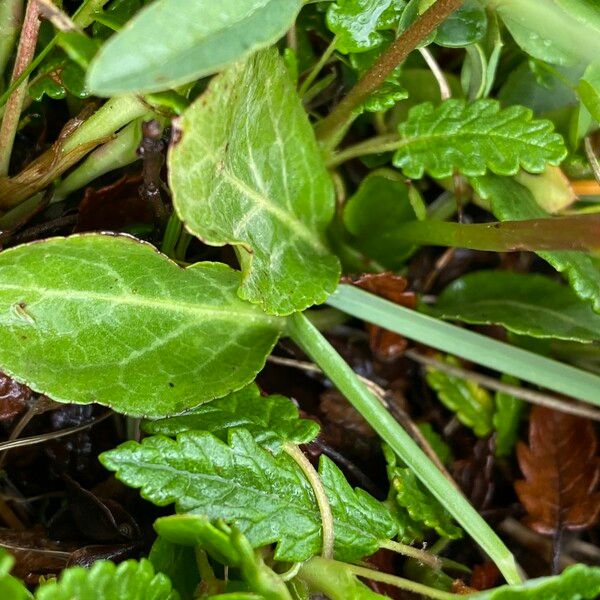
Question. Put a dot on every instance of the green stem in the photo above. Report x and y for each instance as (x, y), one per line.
(435, 562)
(339, 581)
(375, 145)
(561, 233)
(118, 152)
(317, 68)
(321, 496)
(332, 129)
(471, 346)
(334, 366)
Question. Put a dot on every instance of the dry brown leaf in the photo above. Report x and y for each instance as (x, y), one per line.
(386, 345)
(561, 470)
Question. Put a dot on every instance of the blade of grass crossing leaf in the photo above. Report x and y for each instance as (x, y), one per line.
(471, 346)
(319, 349)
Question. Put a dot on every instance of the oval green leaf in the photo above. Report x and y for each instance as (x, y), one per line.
(107, 319)
(171, 42)
(247, 171)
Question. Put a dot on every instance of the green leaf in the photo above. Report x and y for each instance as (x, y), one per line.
(473, 138)
(577, 582)
(170, 43)
(267, 496)
(272, 420)
(248, 172)
(107, 319)
(589, 89)
(507, 419)
(381, 203)
(510, 201)
(58, 77)
(358, 24)
(437, 443)
(178, 563)
(472, 404)
(463, 27)
(527, 304)
(10, 587)
(229, 547)
(131, 580)
(410, 495)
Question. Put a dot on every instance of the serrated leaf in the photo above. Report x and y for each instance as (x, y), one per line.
(472, 404)
(170, 43)
(382, 202)
(437, 443)
(57, 77)
(527, 304)
(272, 420)
(107, 319)
(511, 201)
(423, 510)
(131, 580)
(589, 89)
(266, 495)
(358, 24)
(577, 582)
(507, 419)
(473, 138)
(248, 172)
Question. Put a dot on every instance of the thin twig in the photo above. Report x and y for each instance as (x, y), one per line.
(12, 114)
(331, 129)
(442, 82)
(44, 437)
(531, 396)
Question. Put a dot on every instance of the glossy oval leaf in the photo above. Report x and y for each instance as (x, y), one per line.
(247, 171)
(526, 304)
(107, 319)
(171, 42)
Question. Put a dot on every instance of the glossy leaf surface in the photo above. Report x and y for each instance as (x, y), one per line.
(473, 138)
(267, 496)
(247, 171)
(170, 43)
(527, 304)
(107, 319)
(272, 420)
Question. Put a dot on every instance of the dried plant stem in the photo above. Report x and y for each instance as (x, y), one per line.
(442, 82)
(331, 130)
(12, 114)
(547, 400)
(321, 496)
(40, 439)
(592, 158)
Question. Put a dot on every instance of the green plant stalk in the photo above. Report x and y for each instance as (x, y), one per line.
(115, 154)
(561, 233)
(101, 126)
(333, 365)
(471, 346)
(317, 68)
(338, 581)
(11, 12)
(332, 129)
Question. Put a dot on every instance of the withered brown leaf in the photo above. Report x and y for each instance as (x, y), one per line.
(561, 469)
(386, 345)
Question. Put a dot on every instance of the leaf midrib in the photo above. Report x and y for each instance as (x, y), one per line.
(225, 312)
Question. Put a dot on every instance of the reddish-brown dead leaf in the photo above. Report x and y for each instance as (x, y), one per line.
(386, 345)
(485, 576)
(14, 397)
(561, 470)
